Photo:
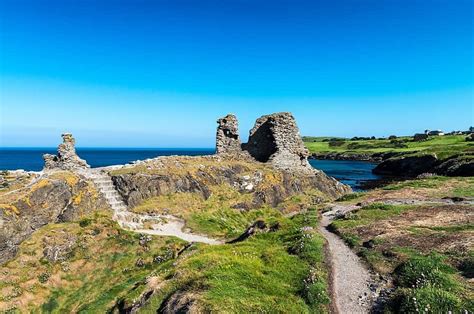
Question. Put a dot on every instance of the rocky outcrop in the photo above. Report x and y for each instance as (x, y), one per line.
(266, 184)
(406, 166)
(375, 157)
(227, 137)
(55, 198)
(66, 159)
(412, 166)
(456, 166)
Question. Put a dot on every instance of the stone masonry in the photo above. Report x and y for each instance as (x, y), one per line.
(66, 159)
(227, 137)
(274, 139)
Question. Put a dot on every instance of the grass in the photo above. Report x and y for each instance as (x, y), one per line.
(426, 280)
(226, 213)
(368, 214)
(442, 146)
(437, 186)
(280, 271)
(427, 284)
(100, 267)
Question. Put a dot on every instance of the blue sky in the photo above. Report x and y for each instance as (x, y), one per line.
(159, 73)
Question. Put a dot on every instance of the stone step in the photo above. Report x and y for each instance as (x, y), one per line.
(116, 203)
(103, 182)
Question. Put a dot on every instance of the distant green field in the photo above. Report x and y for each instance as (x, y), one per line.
(443, 146)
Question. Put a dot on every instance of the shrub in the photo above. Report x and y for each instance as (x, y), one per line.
(423, 271)
(427, 300)
(337, 143)
(85, 222)
(44, 277)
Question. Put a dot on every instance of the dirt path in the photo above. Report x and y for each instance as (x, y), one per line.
(350, 278)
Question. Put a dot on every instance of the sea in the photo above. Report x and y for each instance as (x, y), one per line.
(354, 173)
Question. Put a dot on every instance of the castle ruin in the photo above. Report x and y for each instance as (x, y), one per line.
(275, 139)
(66, 158)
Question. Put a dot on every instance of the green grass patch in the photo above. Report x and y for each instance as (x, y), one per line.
(280, 271)
(428, 284)
(443, 146)
(367, 215)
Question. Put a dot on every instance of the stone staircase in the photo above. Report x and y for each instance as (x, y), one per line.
(125, 218)
(164, 225)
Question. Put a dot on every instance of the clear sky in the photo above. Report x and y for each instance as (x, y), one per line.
(159, 73)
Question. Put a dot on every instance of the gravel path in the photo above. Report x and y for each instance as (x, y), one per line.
(350, 278)
(173, 226)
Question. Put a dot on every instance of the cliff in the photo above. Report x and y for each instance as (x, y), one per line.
(33, 201)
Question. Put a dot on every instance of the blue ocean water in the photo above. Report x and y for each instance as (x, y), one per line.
(352, 173)
(31, 158)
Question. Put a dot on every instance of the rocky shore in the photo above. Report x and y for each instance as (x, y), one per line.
(408, 164)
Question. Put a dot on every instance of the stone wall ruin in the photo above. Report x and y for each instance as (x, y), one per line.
(66, 158)
(275, 139)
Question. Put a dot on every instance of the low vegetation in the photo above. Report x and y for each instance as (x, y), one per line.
(425, 247)
(93, 264)
(442, 146)
(278, 271)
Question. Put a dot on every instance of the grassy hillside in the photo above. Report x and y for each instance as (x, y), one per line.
(92, 264)
(443, 146)
(425, 247)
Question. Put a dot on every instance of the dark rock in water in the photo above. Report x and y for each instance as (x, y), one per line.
(426, 165)
(456, 166)
(66, 158)
(406, 166)
(455, 199)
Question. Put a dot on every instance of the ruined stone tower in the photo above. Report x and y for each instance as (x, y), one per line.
(275, 138)
(227, 137)
(66, 158)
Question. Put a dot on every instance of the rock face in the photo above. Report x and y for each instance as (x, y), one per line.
(55, 198)
(412, 166)
(406, 166)
(265, 184)
(227, 137)
(66, 158)
(275, 138)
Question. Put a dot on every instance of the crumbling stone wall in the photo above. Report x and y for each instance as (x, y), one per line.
(66, 159)
(275, 138)
(227, 137)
